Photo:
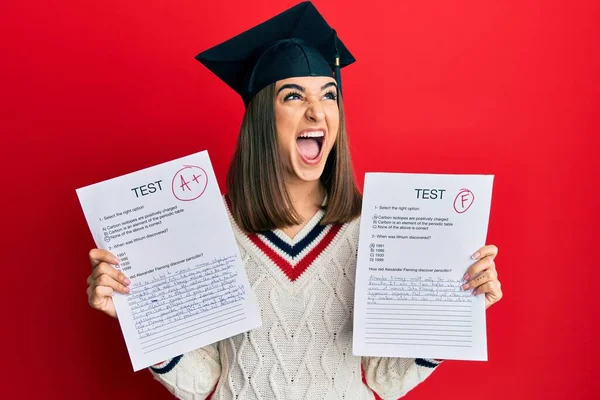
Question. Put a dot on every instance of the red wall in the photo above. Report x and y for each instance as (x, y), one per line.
(92, 90)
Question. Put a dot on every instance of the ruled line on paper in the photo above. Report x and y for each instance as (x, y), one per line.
(172, 305)
(422, 310)
(194, 335)
(236, 312)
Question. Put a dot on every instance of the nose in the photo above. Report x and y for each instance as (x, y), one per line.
(315, 112)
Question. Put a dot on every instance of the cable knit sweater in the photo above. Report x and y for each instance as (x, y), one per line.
(303, 350)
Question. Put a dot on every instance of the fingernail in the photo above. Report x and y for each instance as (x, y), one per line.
(474, 292)
(127, 281)
(465, 286)
(475, 256)
(116, 261)
(466, 277)
(127, 289)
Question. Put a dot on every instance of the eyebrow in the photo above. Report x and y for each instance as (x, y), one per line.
(301, 89)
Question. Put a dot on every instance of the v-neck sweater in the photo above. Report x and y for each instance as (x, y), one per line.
(305, 290)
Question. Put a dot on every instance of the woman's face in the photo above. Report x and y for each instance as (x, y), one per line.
(307, 121)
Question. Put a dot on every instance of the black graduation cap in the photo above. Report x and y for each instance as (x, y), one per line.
(297, 42)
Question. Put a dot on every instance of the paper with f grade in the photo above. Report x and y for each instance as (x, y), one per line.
(168, 226)
(417, 235)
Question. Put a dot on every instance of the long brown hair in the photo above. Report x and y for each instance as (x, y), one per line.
(255, 181)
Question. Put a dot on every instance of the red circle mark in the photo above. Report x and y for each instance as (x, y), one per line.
(463, 200)
(189, 183)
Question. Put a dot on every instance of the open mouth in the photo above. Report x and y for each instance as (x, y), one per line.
(309, 144)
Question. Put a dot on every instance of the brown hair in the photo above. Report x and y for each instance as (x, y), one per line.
(257, 193)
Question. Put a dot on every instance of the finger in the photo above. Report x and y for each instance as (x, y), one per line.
(97, 296)
(100, 255)
(490, 287)
(106, 269)
(105, 280)
(484, 277)
(478, 267)
(485, 251)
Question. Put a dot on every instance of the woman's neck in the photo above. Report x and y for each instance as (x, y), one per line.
(306, 198)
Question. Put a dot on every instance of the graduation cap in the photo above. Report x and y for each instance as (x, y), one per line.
(297, 42)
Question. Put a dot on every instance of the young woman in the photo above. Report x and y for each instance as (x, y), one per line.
(294, 208)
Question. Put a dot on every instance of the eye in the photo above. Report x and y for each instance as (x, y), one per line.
(293, 96)
(331, 95)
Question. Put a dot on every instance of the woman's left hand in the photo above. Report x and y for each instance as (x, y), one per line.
(482, 276)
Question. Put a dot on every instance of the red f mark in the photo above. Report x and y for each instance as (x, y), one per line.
(466, 198)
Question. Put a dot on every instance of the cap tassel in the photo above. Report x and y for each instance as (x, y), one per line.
(338, 72)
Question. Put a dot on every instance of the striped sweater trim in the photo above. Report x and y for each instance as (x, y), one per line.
(301, 253)
(168, 367)
(294, 256)
(293, 272)
(422, 362)
(294, 250)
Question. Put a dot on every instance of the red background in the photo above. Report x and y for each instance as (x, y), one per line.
(92, 90)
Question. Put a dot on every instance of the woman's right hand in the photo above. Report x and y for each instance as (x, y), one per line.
(104, 281)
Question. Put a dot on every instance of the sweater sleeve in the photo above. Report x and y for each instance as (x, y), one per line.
(392, 378)
(192, 375)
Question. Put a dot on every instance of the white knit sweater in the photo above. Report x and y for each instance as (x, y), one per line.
(303, 350)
